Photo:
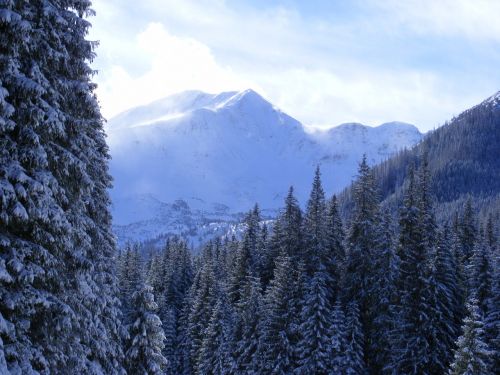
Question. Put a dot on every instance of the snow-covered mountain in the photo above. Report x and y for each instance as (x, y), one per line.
(193, 159)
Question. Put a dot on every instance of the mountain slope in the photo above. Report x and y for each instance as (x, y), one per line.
(464, 161)
(220, 154)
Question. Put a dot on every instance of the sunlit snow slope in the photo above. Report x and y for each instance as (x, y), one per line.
(193, 158)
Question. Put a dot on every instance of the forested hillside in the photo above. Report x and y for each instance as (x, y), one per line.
(380, 294)
(464, 161)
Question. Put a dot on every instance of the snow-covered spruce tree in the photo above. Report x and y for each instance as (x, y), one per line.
(216, 350)
(448, 300)
(385, 275)
(491, 233)
(183, 332)
(363, 238)
(177, 271)
(246, 258)
(286, 237)
(200, 310)
(472, 354)
(335, 239)
(246, 330)
(339, 359)
(440, 332)
(315, 243)
(170, 350)
(425, 203)
(480, 274)
(155, 276)
(57, 291)
(291, 224)
(492, 318)
(315, 345)
(276, 342)
(130, 278)
(146, 337)
(355, 362)
(467, 232)
(414, 336)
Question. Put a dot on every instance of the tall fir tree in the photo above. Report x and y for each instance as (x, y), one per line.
(216, 357)
(385, 276)
(335, 245)
(314, 230)
(246, 331)
(339, 353)
(144, 350)
(355, 359)
(276, 342)
(315, 345)
(246, 258)
(413, 340)
(472, 354)
(492, 317)
(200, 310)
(363, 238)
(286, 237)
(58, 287)
(130, 278)
(448, 298)
(468, 231)
(480, 274)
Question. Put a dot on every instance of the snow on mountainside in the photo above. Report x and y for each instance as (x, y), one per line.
(183, 163)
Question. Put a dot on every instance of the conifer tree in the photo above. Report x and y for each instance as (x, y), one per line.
(448, 298)
(468, 232)
(335, 247)
(170, 350)
(246, 258)
(492, 318)
(354, 349)
(246, 333)
(385, 276)
(276, 344)
(130, 277)
(427, 220)
(471, 356)
(286, 237)
(362, 237)
(315, 345)
(339, 352)
(491, 235)
(291, 224)
(216, 349)
(57, 293)
(314, 232)
(200, 310)
(144, 351)
(413, 339)
(480, 274)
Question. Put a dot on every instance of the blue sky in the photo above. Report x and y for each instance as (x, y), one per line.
(323, 62)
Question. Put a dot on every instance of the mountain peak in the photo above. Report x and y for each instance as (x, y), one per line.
(248, 98)
(179, 104)
(494, 99)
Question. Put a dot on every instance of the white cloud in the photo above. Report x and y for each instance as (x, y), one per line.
(389, 61)
(474, 19)
(176, 64)
(322, 98)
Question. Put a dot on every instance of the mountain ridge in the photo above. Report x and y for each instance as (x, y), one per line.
(463, 163)
(231, 150)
